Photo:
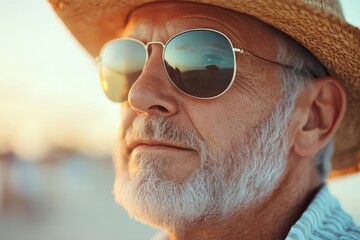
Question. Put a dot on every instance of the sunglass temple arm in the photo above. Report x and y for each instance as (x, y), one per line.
(247, 52)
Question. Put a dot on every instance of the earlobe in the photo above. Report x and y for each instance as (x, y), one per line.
(323, 107)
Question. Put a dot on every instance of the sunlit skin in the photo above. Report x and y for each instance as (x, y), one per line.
(222, 120)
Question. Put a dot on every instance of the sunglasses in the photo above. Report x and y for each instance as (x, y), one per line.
(200, 63)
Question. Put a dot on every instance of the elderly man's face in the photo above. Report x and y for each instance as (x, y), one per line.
(175, 145)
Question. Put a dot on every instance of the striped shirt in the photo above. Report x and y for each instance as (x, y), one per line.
(324, 219)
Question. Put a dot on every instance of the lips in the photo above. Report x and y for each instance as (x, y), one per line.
(155, 144)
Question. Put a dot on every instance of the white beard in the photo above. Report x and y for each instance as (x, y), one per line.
(226, 182)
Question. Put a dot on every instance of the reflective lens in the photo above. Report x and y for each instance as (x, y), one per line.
(200, 63)
(121, 63)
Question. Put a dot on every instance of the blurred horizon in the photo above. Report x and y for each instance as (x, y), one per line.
(50, 93)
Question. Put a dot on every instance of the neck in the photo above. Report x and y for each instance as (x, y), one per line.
(270, 219)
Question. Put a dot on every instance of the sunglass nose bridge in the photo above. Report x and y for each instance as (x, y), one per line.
(150, 43)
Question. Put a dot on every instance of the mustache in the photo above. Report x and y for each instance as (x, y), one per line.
(159, 128)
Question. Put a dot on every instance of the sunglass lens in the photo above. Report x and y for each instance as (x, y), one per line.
(200, 63)
(121, 63)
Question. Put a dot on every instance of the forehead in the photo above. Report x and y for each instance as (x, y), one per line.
(174, 17)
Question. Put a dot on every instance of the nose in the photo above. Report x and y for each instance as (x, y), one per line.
(152, 93)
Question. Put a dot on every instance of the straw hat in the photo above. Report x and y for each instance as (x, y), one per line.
(318, 25)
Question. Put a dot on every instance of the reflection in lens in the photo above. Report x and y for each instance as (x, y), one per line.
(200, 63)
(121, 63)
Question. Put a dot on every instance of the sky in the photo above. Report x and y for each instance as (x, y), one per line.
(50, 93)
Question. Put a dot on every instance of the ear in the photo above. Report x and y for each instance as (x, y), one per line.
(320, 110)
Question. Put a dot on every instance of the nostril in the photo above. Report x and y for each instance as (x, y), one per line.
(159, 108)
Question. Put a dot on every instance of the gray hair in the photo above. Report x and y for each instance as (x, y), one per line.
(295, 80)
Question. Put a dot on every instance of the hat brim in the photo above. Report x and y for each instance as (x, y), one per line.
(326, 34)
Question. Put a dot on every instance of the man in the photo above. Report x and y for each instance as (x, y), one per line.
(228, 122)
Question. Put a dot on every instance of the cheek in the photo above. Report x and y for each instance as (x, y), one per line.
(220, 126)
(230, 119)
(127, 116)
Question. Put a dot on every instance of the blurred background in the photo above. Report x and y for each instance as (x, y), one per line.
(57, 130)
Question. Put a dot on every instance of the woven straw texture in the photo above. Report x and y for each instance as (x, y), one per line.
(317, 24)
